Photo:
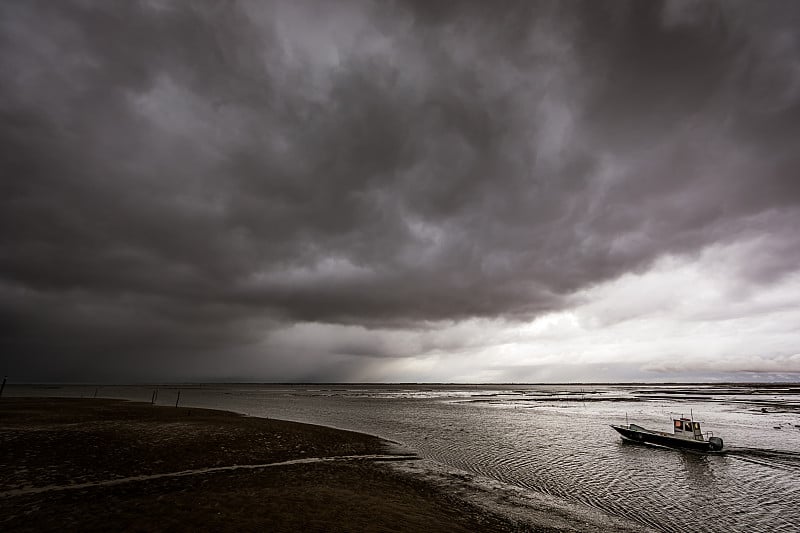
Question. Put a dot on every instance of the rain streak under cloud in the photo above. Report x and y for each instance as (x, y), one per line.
(400, 191)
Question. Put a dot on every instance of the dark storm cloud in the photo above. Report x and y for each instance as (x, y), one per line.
(179, 178)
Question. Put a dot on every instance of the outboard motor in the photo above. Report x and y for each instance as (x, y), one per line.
(715, 443)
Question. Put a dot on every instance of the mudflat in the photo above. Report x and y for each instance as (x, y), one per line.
(90, 465)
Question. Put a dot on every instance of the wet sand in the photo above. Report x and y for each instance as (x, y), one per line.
(80, 464)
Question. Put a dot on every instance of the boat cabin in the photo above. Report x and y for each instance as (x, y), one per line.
(686, 428)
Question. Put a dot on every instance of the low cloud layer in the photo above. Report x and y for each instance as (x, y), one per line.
(186, 186)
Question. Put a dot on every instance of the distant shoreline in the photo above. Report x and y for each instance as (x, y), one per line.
(764, 384)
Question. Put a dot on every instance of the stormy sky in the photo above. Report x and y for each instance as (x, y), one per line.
(399, 190)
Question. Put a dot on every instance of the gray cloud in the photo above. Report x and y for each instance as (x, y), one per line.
(179, 179)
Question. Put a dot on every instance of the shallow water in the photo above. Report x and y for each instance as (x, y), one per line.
(557, 440)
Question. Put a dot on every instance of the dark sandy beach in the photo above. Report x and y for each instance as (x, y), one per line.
(75, 464)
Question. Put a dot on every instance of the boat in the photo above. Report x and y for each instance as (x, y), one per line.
(686, 434)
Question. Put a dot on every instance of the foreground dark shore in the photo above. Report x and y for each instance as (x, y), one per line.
(52, 443)
(70, 464)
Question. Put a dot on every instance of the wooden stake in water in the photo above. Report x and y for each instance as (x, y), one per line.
(3, 386)
(153, 398)
(178, 398)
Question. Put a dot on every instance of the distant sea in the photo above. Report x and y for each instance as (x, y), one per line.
(556, 439)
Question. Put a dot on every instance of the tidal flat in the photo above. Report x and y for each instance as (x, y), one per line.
(100, 464)
(544, 455)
